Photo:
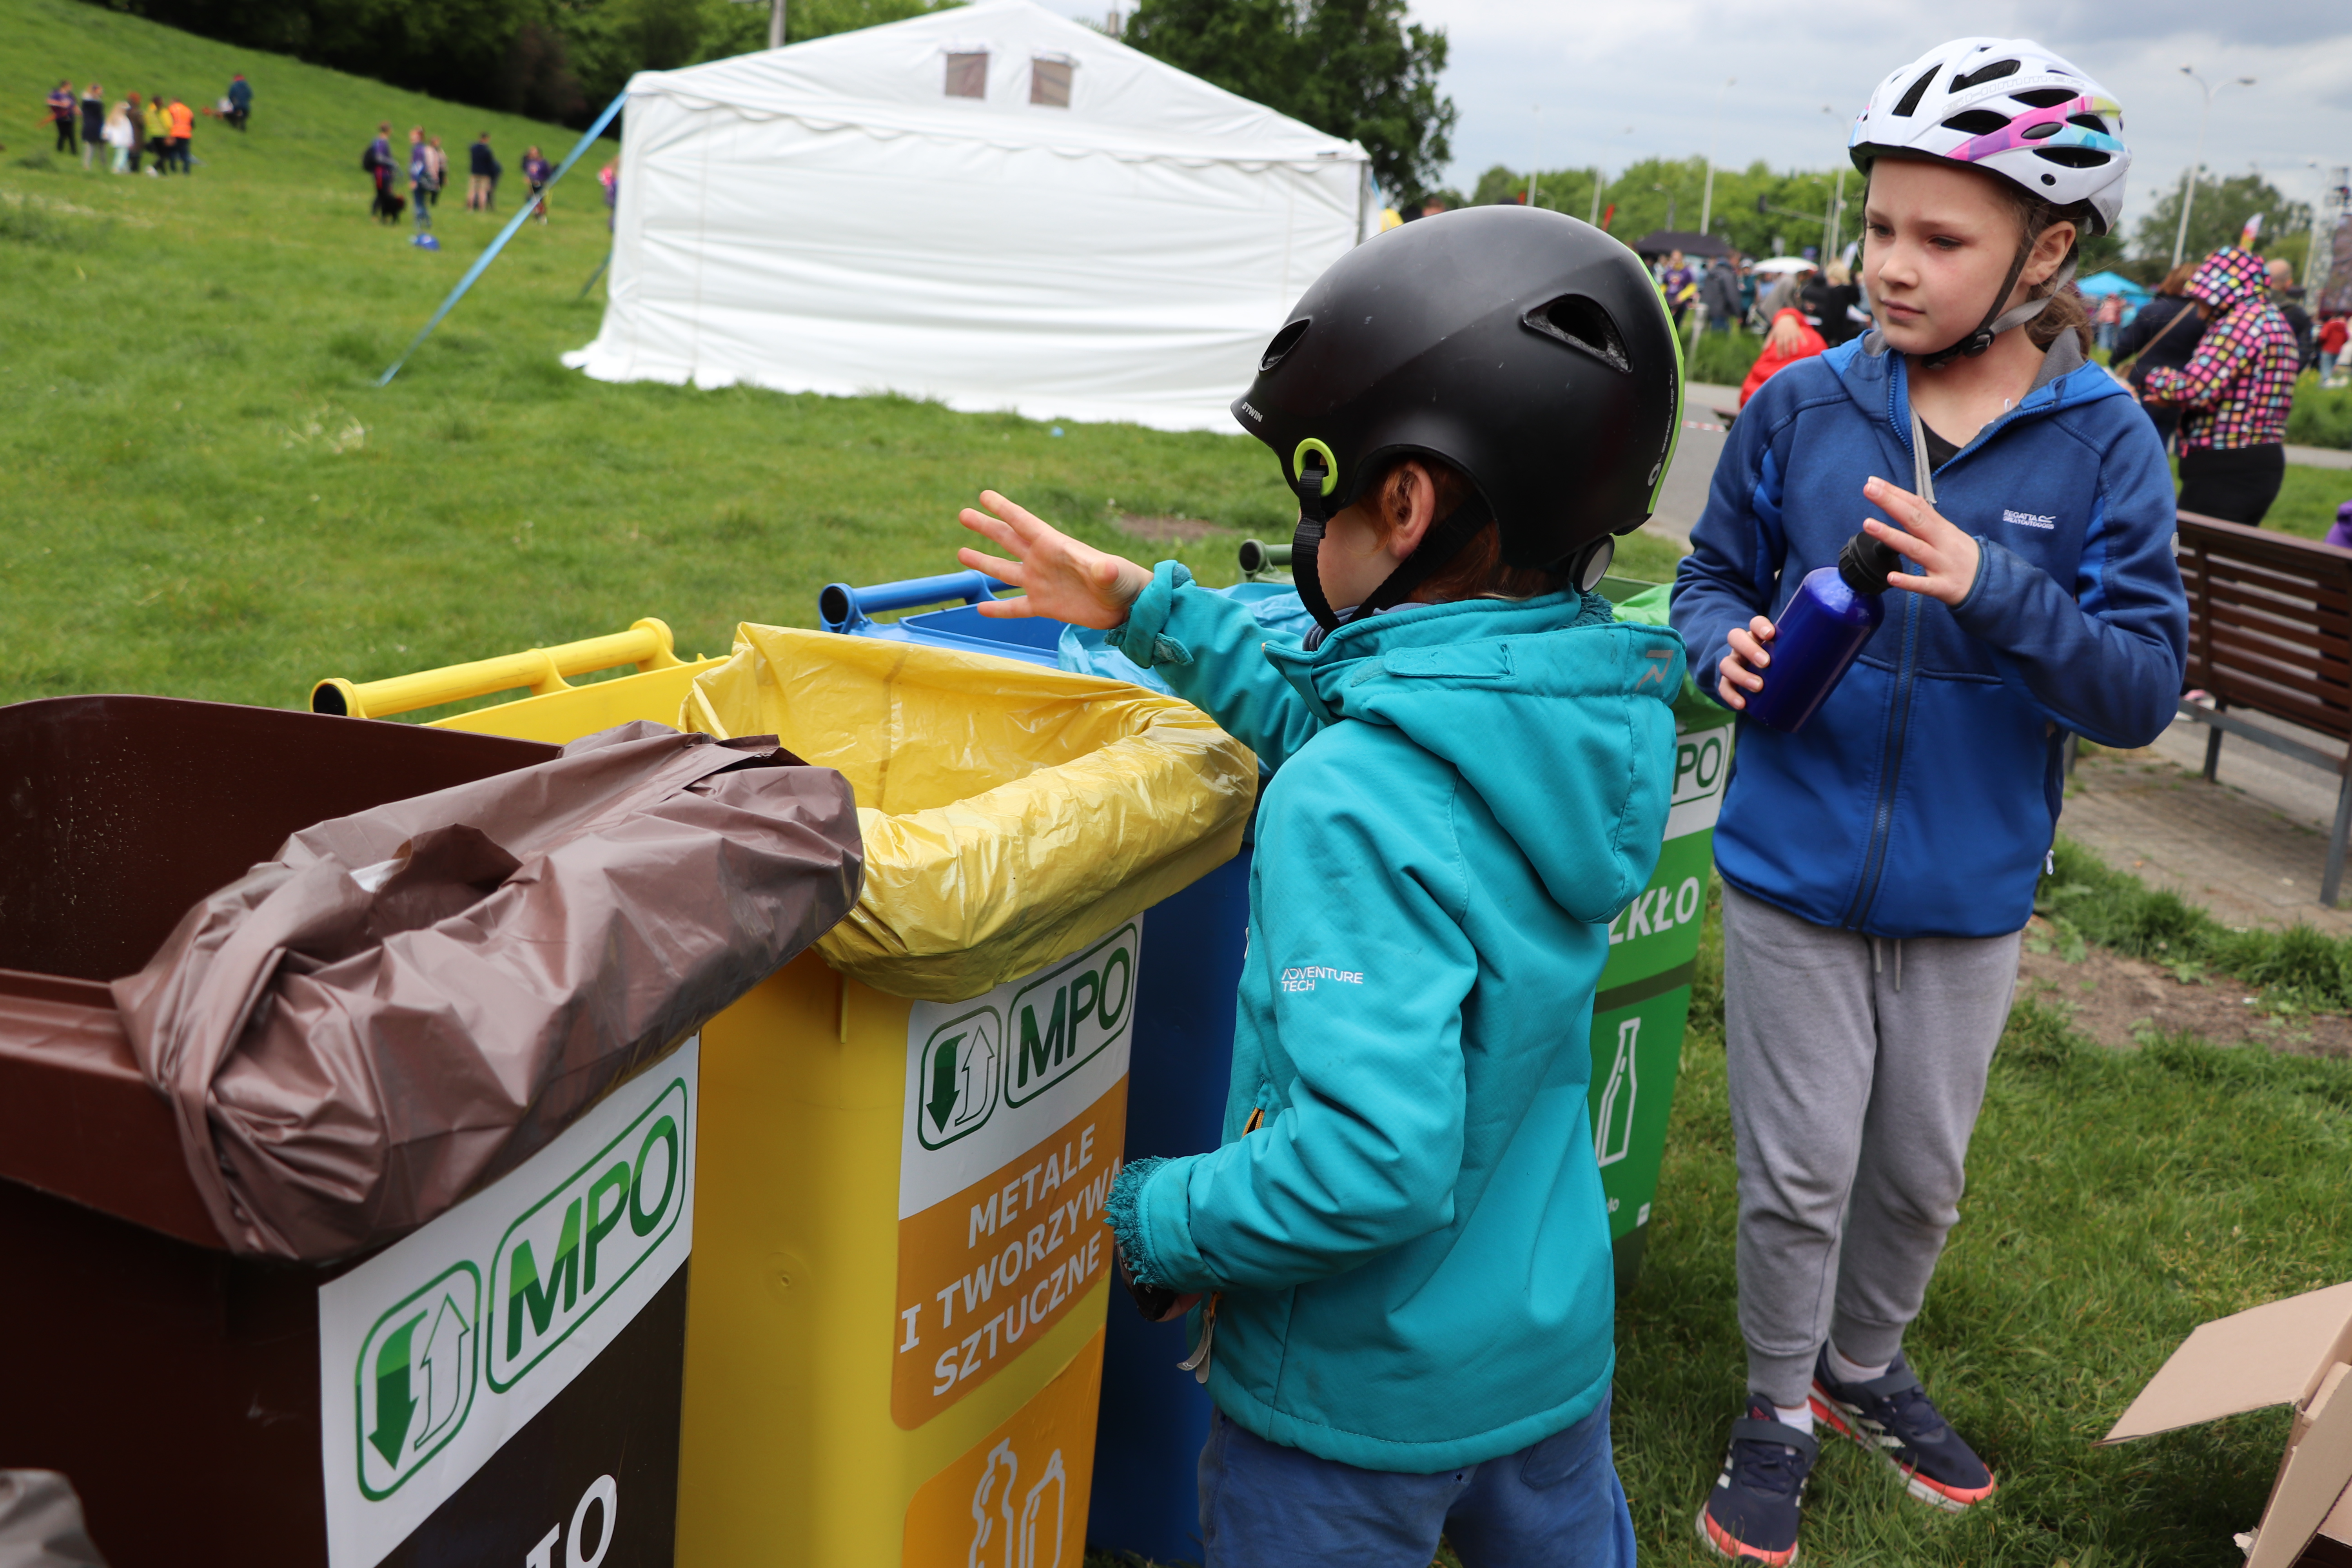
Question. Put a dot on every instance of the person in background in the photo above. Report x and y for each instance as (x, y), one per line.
(121, 139)
(240, 101)
(482, 185)
(1787, 293)
(1679, 284)
(135, 116)
(2165, 332)
(2332, 334)
(159, 135)
(1833, 302)
(420, 180)
(181, 122)
(538, 171)
(2288, 296)
(61, 115)
(438, 161)
(377, 163)
(2109, 320)
(2234, 391)
(1792, 338)
(1720, 295)
(93, 120)
(609, 176)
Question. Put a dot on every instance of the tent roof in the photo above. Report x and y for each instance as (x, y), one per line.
(1688, 241)
(2112, 283)
(891, 80)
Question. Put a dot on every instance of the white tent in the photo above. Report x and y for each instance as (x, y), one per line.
(990, 205)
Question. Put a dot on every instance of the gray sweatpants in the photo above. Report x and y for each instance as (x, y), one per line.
(1857, 1067)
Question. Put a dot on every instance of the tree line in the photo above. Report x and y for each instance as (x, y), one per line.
(1668, 192)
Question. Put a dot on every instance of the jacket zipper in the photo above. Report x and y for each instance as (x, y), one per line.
(1874, 859)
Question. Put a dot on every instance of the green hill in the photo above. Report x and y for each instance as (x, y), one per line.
(201, 492)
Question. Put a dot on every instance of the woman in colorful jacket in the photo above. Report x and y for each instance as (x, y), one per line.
(2235, 390)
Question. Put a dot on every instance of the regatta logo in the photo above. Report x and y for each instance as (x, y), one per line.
(417, 1371)
(1062, 1020)
(570, 1251)
(2029, 519)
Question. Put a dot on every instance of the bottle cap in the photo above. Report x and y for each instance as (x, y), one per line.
(1864, 563)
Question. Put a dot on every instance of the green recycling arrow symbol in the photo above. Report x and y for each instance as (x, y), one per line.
(943, 1081)
(394, 1405)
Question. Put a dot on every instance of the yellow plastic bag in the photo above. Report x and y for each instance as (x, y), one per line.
(1012, 814)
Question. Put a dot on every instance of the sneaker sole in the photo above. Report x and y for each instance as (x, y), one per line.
(1950, 1499)
(1711, 1537)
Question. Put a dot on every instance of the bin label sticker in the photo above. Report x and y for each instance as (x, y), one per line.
(1702, 766)
(1017, 1499)
(437, 1349)
(1016, 1118)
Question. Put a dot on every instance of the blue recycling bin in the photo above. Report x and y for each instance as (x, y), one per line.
(1154, 1417)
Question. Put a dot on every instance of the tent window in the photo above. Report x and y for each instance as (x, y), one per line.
(967, 76)
(1049, 83)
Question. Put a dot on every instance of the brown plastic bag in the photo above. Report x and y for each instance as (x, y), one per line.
(409, 1002)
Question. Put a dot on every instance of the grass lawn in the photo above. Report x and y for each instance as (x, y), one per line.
(206, 496)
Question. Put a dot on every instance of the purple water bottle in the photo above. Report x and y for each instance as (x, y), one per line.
(1822, 632)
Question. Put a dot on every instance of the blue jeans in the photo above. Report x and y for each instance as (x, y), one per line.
(1554, 1504)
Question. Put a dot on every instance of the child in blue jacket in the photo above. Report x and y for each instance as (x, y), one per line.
(1401, 1257)
(1880, 864)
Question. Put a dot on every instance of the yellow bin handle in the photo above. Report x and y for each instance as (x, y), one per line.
(647, 644)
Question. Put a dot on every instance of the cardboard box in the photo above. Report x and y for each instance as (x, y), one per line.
(2297, 1351)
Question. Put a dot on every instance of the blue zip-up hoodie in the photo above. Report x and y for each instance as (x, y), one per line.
(1414, 1245)
(1921, 798)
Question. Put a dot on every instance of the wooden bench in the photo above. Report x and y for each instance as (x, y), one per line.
(2270, 632)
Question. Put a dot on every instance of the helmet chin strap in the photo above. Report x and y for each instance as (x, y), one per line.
(1444, 540)
(1998, 320)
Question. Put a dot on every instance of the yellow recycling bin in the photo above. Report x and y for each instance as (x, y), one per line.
(899, 1269)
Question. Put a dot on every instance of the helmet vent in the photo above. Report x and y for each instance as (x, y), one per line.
(2042, 133)
(1918, 90)
(2088, 122)
(2046, 97)
(1582, 323)
(1283, 342)
(2075, 157)
(1977, 121)
(1993, 72)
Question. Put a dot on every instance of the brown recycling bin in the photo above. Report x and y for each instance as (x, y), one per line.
(178, 1385)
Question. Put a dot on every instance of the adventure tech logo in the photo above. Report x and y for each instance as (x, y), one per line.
(1060, 1021)
(563, 1257)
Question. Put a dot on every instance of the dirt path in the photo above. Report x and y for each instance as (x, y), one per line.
(2117, 1000)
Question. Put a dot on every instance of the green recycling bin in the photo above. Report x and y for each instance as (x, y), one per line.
(1643, 1002)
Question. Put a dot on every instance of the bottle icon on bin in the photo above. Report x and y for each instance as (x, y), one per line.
(1005, 1536)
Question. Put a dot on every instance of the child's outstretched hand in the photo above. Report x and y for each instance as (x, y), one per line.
(1946, 556)
(1065, 580)
(1742, 666)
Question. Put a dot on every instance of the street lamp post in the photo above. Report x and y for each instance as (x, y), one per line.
(1706, 202)
(1536, 161)
(1598, 169)
(2188, 180)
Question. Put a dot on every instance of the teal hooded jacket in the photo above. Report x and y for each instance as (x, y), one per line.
(1412, 1245)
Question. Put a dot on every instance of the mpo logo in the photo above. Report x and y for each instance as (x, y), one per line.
(572, 1250)
(1699, 763)
(1055, 1024)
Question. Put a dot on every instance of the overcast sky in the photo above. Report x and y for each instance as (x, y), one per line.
(1560, 80)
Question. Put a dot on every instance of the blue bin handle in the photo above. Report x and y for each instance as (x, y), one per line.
(842, 608)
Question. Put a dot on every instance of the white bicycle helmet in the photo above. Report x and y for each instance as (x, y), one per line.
(2011, 108)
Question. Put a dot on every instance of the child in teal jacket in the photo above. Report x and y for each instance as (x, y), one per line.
(1402, 1249)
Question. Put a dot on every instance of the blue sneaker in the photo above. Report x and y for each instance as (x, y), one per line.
(1752, 1514)
(1892, 1417)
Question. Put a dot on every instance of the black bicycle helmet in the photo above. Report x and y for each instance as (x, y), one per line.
(1529, 350)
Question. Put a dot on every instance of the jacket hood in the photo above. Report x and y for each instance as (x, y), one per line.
(2230, 276)
(1867, 368)
(1554, 712)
